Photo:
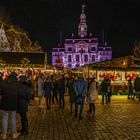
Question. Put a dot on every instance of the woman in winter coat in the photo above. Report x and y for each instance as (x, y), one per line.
(23, 102)
(40, 85)
(92, 96)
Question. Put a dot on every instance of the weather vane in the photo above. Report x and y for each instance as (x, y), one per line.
(83, 7)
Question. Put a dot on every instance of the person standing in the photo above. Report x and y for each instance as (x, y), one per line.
(48, 91)
(104, 89)
(80, 89)
(92, 96)
(40, 85)
(130, 89)
(71, 92)
(23, 102)
(137, 87)
(55, 91)
(61, 88)
(9, 98)
(109, 91)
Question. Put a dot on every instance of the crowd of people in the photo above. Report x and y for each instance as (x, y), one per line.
(15, 96)
(17, 90)
(134, 88)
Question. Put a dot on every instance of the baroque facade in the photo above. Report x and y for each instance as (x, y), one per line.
(81, 50)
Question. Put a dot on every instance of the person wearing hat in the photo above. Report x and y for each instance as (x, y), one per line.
(9, 98)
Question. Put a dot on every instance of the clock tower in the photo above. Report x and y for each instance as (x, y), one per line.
(82, 27)
(82, 49)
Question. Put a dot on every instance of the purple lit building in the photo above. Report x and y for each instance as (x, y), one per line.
(80, 50)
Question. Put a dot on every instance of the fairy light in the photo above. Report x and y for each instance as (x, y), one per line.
(21, 38)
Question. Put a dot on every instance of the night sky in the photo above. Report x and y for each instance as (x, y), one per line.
(43, 20)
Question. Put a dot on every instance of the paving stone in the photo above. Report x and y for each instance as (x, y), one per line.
(120, 120)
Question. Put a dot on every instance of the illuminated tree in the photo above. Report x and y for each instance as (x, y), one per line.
(4, 43)
(17, 38)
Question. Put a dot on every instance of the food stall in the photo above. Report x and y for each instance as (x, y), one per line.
(118, 70)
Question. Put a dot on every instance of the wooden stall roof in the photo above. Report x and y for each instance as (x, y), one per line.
(122, 63)
(16, 57)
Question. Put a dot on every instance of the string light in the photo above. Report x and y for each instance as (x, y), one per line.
(21, 38)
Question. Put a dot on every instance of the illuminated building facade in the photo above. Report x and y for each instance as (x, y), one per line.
(80, 50)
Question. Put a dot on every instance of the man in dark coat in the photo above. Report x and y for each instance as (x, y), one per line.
(55, 91)
(71, 92)
(48, 91)
(104, 89)
(23, 102)
(61, 89)
(9, 98)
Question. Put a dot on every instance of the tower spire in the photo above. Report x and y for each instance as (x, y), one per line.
(82, 27)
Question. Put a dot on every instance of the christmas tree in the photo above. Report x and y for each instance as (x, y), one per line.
(4, 44)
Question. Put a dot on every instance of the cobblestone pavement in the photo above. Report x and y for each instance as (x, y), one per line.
(120, 120)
